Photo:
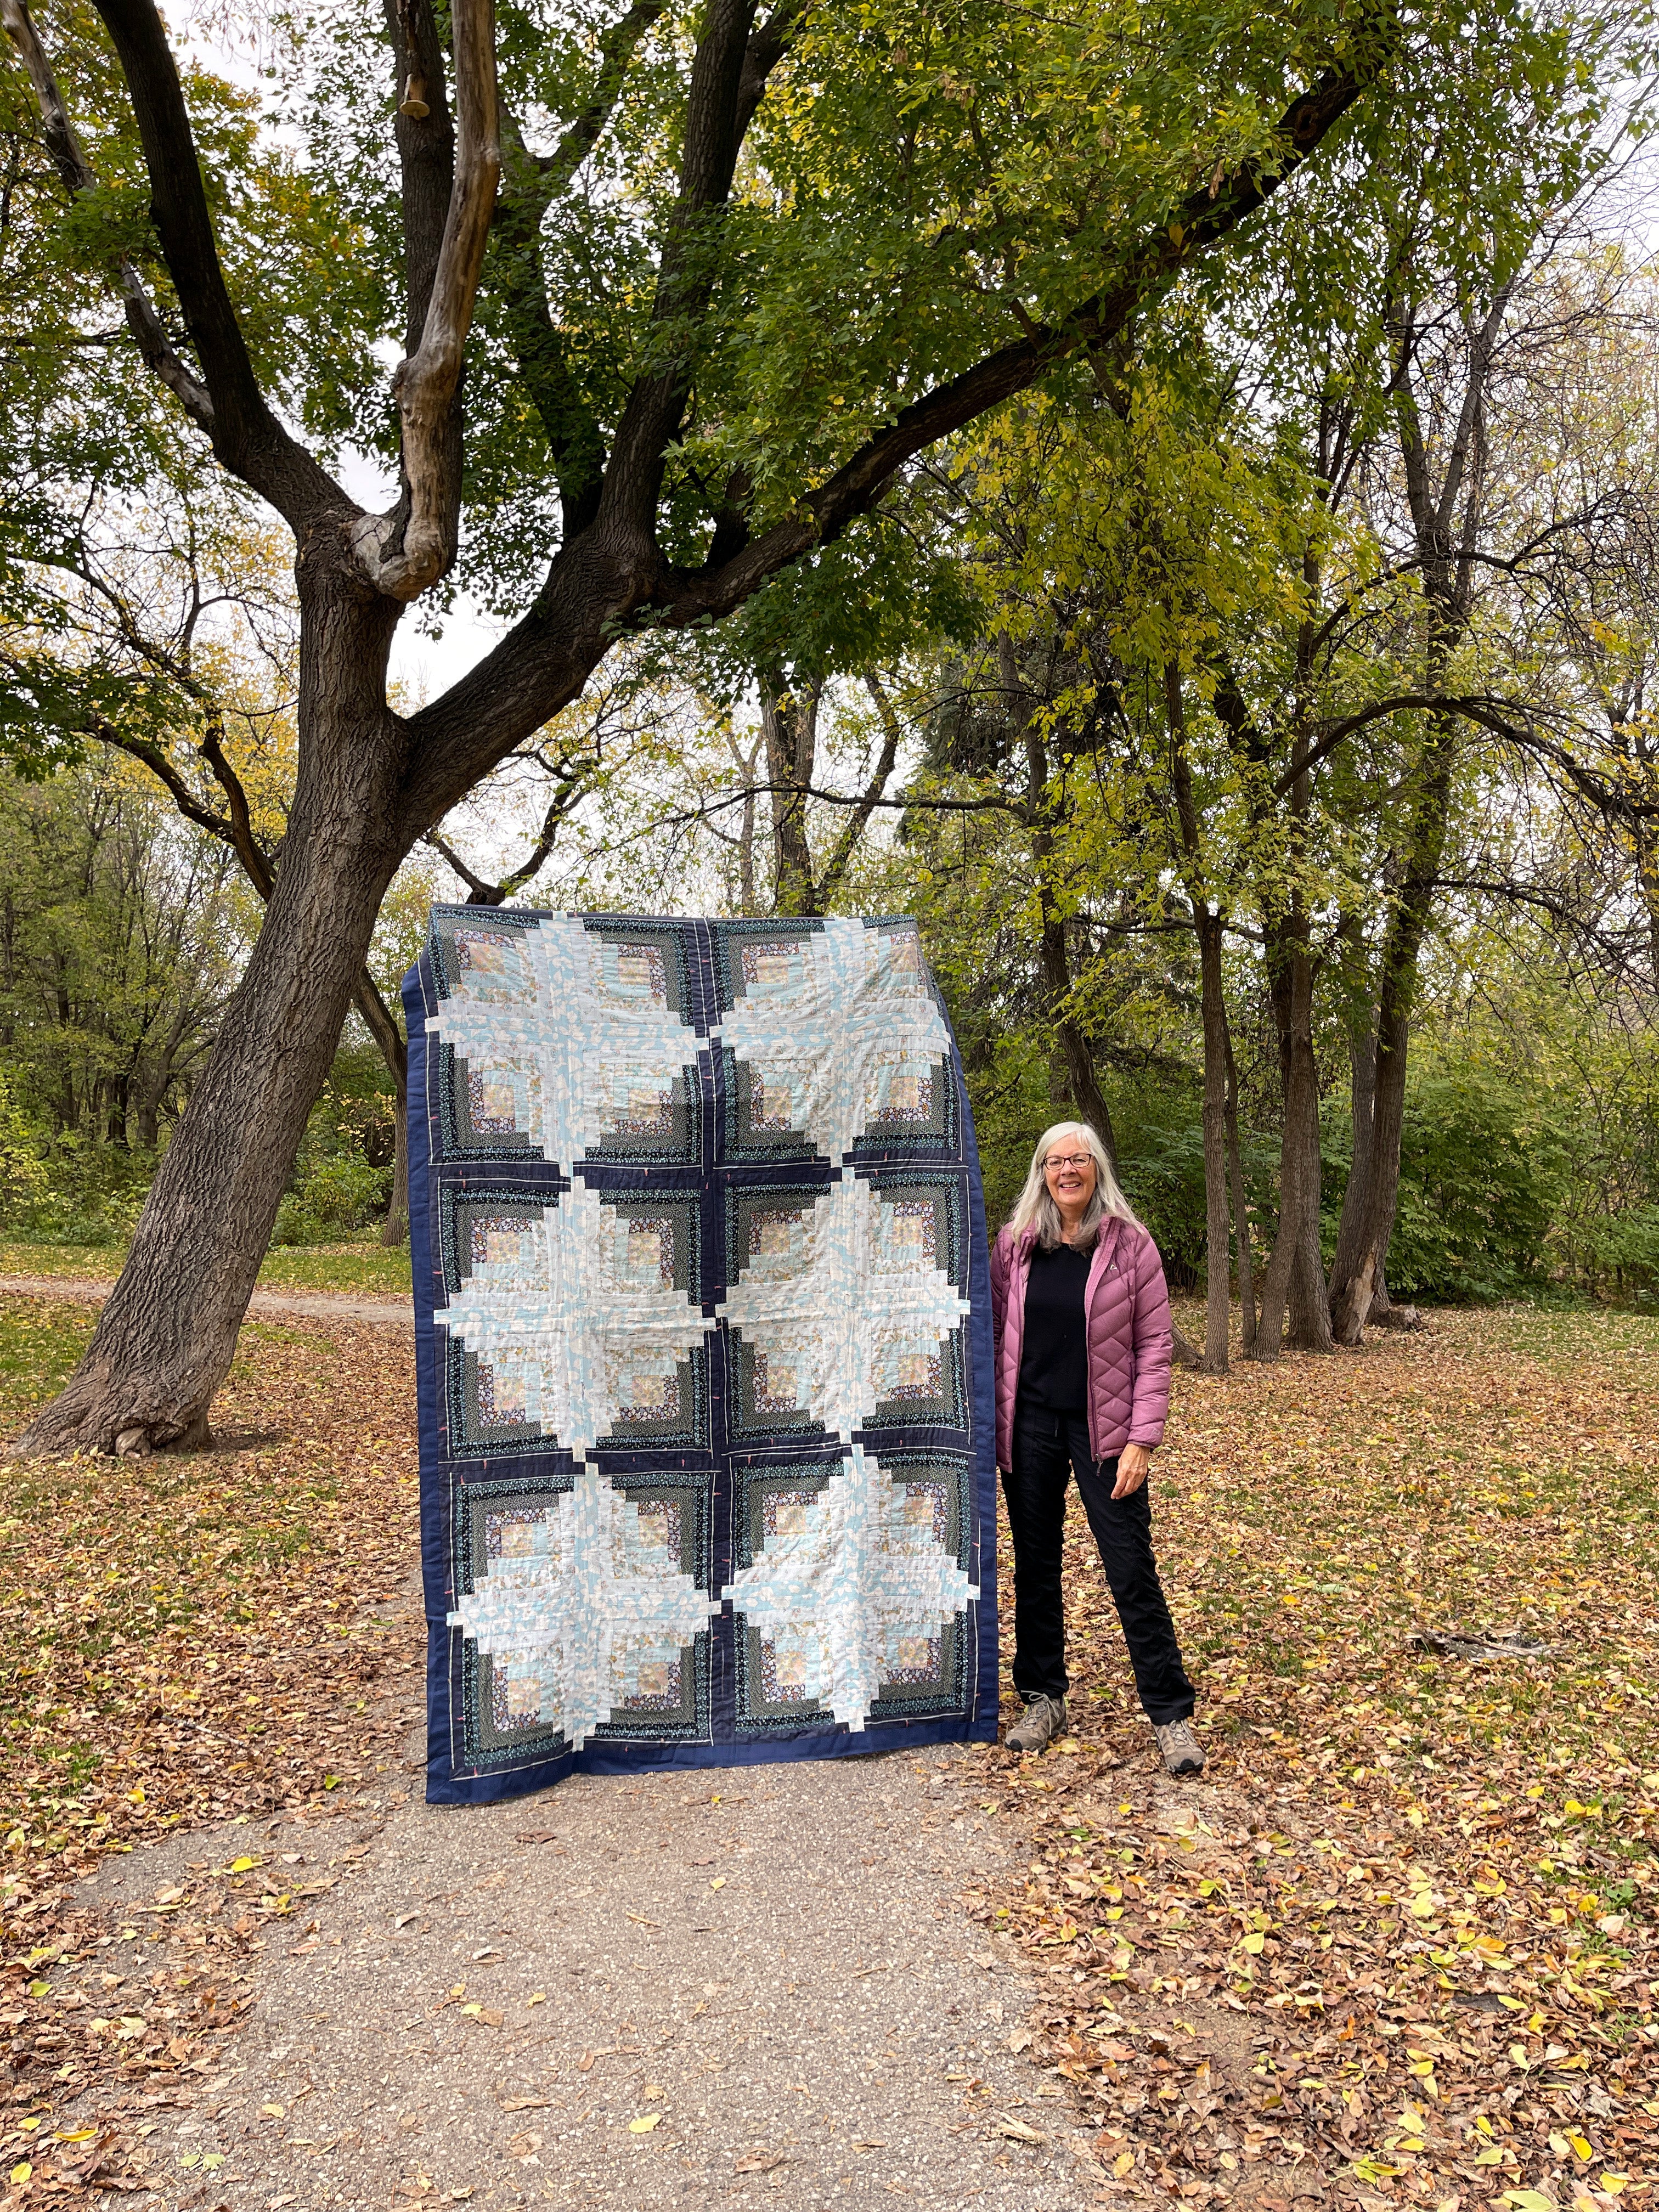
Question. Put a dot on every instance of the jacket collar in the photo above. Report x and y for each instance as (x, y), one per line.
(1107, 1240)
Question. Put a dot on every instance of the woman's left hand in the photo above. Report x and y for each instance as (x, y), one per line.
(1134, 1463)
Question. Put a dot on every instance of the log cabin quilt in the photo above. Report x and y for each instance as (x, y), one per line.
(702, 1316)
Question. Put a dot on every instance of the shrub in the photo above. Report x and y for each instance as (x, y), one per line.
(1478, 1184)
(338, 1194)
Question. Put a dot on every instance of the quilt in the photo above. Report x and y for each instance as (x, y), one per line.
(703, 1347)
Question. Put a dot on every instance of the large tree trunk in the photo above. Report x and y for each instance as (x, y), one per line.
(1213, 1008)
(1294, 1283)
(165, 1339)
(1241, 1208)
(1356, 1273)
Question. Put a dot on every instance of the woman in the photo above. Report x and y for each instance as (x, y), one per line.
(1081, 1318)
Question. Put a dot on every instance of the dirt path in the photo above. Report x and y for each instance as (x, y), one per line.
(753, 1987)
(322, 1305)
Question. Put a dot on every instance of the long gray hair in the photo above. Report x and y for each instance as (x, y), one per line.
(1037, 1209)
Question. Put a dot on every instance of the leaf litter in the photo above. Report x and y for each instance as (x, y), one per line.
(1397, 1946)
(220, 1640)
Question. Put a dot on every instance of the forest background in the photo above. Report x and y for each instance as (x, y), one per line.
(1253, 710)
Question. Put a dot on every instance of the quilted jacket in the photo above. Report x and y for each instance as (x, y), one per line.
(1127, 1304)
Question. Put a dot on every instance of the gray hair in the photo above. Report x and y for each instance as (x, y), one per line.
(1036, 1208)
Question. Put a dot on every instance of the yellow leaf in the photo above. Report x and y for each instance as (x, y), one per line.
(1253, 1943)
(1615, 2183)
(20, 2172)
(1580, 2147)
(644, 2125)
(1122, 2162)
(718, 1882)
(539, 1997)
(243, 1866)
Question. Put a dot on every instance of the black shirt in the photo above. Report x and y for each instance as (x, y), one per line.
(1053, 1358)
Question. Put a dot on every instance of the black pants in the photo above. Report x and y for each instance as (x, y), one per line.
(1047, 1448)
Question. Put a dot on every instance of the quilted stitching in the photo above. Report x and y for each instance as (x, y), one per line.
(1129, 1338)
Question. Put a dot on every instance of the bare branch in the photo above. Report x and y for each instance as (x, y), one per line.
(401, 557)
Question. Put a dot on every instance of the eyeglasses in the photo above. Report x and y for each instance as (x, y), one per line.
(1055, 1161)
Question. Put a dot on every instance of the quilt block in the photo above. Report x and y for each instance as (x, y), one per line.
(704, 1345)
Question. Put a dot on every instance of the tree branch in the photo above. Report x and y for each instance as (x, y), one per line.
(686, 270)
(858, 821)
(404, 551)
(860, 482)
(425, 138)
(68, 159)
(246, 435)
(530, 183)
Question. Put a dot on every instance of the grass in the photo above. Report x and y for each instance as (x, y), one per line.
(357, 1270)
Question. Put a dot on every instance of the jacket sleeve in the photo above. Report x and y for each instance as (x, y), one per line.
(1153, 1335)
(1001, 1265)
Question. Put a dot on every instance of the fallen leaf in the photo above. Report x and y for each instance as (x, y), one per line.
(643, 2125)
(1017, 2129)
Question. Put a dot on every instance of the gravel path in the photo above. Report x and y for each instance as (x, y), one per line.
(324, 1305)
(751, 1989)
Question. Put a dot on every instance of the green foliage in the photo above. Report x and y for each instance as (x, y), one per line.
(342, 1179)
(90, 1194)
(1478, 1183)
(22, 1177)
(334, 1197)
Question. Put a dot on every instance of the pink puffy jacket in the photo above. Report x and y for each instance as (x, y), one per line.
(1126, 1306)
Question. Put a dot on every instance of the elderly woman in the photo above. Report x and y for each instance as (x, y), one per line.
(1081, 1318)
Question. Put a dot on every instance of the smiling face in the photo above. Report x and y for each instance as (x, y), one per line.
(1068, 1169)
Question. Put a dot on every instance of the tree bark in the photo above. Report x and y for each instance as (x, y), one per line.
(1241, 1211)
(1213, 1008)
(789, 719)
(166, 1337)
(1357, 1274)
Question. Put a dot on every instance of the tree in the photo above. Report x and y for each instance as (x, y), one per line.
(971, 198)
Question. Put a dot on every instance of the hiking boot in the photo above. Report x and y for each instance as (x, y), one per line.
(1183, 1751)
(1043, 1719)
